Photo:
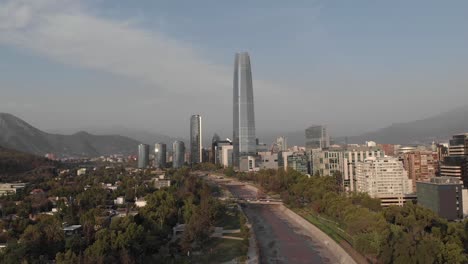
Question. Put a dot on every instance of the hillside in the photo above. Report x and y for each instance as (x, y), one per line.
(19, 135)
(436, 128)
(14, 162)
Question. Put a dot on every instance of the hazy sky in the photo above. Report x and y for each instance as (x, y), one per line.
(354, 65)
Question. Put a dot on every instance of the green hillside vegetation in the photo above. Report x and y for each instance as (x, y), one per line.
(14, 162)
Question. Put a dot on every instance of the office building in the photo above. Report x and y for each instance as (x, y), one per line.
(383, 177)
(224, 153)
(244, 140)
(317, 138)
(249, 163)
(268, 160)
(216, 149)
(298, 162)
(443, 195)
(456, 163)
(143, 156)
(178, 154)
(420, 165)
(282, 144)
(196, 153)
(214, 142)
(160, 155)
(283, 159)
(343, 161)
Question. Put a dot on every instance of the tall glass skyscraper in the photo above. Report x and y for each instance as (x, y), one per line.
(160, 155)
(317, 138)
(178, 154)
(244, 140)
(143, 156)
(195, 139)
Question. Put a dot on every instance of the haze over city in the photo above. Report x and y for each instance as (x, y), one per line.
(356, 66)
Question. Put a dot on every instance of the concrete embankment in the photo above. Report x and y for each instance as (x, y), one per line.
(313, 231)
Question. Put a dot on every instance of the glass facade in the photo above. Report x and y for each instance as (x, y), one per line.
(160, 155)
(244, 140)
(143, 156)
(178, 154)
(195, 139)
(317, 138)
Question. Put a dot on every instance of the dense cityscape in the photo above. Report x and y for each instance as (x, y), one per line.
(177, 205)
(395, 195)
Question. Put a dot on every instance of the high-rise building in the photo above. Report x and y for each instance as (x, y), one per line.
(178, 156)
(341, 160)
(384, 178)
(420, 165)
(456, 163)
(317, 138)
(282, 143)
(160, 155)
(443, 195)
(143, 156)
(244, 140)
(195, 139)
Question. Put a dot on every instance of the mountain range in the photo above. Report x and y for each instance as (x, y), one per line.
(19, 135)
(440, 128)
(436, 128)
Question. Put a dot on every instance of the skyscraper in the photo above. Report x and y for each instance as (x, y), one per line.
(143, 156)
(178, 154)
(160, 155)
(282, 144)
(244, 140)
(317, 138)
(195, 139)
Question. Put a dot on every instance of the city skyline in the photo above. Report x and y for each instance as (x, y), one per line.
(325, 57)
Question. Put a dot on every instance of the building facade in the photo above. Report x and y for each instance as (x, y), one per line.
(178, 154)
(244, 140)
(382, 177)
(268, 160)
(282, 143)
(443, 195)
(343, 161)
(160, 157)
(420, 165)
(456, 163)
(317, 138)
(143, 156)
(298, 162)
(196, 153)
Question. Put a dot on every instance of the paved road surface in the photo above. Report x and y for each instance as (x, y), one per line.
(280, 240)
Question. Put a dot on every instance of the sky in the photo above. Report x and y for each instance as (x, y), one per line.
(355, 66)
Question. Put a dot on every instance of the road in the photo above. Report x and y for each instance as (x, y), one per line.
(280, 239)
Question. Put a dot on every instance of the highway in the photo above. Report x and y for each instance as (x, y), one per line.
(280, 239)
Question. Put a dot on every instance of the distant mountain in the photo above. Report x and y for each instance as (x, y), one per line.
(146, 137)
(436, 128)
(19, 135)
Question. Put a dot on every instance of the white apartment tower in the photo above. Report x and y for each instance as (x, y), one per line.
(382, 177)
